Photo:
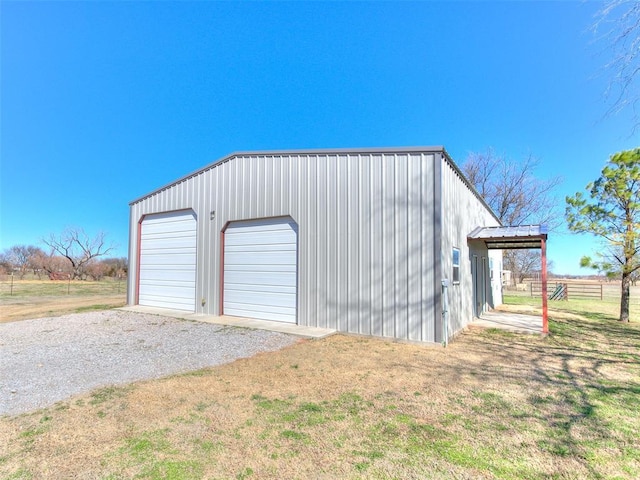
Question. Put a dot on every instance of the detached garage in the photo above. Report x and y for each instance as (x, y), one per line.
(368, 241)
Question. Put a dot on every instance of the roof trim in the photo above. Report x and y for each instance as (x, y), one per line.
(469, 185)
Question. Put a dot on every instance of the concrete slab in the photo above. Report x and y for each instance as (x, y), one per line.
(514, 322)
(299, 330)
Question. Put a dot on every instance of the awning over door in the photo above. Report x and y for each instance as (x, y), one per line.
(519, 237)
(511, 238)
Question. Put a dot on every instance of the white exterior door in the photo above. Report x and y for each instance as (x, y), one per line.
(168, 261)
(260, 269)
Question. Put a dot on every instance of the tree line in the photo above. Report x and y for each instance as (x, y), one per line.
(71, 254)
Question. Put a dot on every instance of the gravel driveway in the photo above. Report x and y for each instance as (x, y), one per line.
(45, 360)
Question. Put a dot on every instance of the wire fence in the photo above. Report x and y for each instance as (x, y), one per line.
(567, 290)
(10, 286)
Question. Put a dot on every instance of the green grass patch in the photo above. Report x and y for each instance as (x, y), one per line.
(145, 447)
(20, 474)
(108, 394)
(172, 470)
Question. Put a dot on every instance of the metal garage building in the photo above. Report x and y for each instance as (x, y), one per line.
(370, 241)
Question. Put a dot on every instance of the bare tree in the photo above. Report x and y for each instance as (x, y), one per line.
(78, 248)
(55, 266)
(517, 197)
(5, 263)
(97, 270)
(117, 267)
(617, 26)
(20, 258)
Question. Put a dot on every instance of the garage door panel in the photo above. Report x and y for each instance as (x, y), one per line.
(263, 225)
(274, 287)
(266, 238)
(158, 221)
(273, 299)
(159, 230)
(168, 261)
(188, 260)
(236, 277)
(278, 247)
(161, 275)
(261, 258)
(282, 314)
(168, 244)
(260, 270)
(174, 303)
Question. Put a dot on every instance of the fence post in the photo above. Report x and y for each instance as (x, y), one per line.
(600, 291)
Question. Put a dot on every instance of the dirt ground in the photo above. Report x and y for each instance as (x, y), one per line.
(38, 307)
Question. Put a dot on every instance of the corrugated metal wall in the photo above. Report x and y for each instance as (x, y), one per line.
(366, 233)
(462, 211)
(369, 252)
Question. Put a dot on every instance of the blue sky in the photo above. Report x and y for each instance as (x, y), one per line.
(102, 102)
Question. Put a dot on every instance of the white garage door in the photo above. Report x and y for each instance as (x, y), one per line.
(168, 261)
(260, 269)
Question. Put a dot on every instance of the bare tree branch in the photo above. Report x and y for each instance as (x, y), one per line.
(617, 26)
(517, 197)
(78, 248)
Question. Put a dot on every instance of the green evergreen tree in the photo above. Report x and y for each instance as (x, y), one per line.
(612, 212)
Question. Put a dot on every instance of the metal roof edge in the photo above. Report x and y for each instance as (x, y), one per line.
(326, 151)
(317, 151)
(468, 184)
(511, 232)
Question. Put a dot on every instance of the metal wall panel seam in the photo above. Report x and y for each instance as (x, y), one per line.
(423, 221)
(364, 315)
(319, 264)
(344, 240)
(437, 248)
(352, 247)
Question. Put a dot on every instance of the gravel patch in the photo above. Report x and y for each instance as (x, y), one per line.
(45, 360)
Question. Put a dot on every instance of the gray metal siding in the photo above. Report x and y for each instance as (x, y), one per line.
(462, 212)
(367, 239)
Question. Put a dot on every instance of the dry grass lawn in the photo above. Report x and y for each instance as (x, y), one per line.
(25, 299)
(491, 405)
(55, 306)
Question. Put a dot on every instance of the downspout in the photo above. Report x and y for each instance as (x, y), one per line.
(445, 312)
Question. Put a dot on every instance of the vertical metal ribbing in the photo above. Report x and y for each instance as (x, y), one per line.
(437, 248)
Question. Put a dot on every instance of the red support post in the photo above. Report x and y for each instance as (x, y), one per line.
(545, 318)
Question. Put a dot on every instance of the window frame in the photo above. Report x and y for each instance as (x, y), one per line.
(455, 266)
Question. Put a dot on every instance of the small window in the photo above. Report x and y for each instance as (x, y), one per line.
(456, 265)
